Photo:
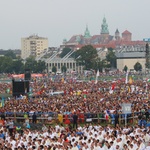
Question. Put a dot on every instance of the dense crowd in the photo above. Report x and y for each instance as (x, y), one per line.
(87, 137)
(104, 97)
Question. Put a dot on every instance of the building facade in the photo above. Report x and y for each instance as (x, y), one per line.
(33, 46)
(129, 59)
(66, 61)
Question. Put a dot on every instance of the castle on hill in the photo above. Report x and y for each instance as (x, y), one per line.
(102, 40)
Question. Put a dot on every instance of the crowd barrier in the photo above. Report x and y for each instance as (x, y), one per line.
(48, 117)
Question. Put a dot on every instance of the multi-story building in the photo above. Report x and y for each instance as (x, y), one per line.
(33, 46)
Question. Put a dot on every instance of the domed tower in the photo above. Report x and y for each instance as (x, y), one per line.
(64, 41)
(104, 27)
(104, 32)
(117, 35)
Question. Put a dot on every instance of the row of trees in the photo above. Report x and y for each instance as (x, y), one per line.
(63, 69)
(9, 63)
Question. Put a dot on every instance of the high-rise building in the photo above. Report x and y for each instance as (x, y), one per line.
(33, 46)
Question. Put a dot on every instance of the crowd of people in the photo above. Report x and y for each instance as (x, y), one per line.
(102, 97)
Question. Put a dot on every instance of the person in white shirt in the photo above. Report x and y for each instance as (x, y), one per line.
(111, 146)
(100, 146)
(146, 138)
(85, 147)
(141, 145)
(11, 127)
(74, 147)
(147, 147)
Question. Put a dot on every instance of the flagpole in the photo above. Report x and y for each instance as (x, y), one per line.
(97, 75)
(127, 77)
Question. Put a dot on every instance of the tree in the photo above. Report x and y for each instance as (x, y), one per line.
(35, 66)
(76, 54)
(6, 64)
(111, 58)
(147, 55)
(41, 66)
(86, 56)
(31, 64)
(137, 67)
(10, 54)
(54, 69)
(98, 64)
(64, 52)
(63, 69)
(125, 68)
(10, 65)
(18, 68)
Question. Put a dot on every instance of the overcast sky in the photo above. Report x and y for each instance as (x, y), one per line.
(59, 19)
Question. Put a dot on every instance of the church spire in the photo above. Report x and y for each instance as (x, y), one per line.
(117, 35)
(87, 33)
(104, 27)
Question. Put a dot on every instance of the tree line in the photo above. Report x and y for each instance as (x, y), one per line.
(9, 63)
(87, 56)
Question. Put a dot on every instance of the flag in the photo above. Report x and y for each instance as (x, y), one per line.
(52, 79)
(130, 80)
(3, 101)
(146, 88)
(129, 89)
(132, 88)
(148, 80)
(97, 75)
(127, 77)
(112, 88)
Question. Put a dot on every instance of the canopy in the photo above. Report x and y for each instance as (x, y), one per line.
(22, 75)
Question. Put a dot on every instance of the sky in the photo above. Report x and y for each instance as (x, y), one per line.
(59, 19)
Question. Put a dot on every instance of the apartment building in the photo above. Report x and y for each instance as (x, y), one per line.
(33, 46)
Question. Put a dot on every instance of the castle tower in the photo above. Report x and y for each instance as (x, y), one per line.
(87, 33)
(104, 32)
(117, 35)
(104, 27)
(126, 35)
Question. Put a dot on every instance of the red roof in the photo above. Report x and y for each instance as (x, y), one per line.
(126, 32)
(113, 44)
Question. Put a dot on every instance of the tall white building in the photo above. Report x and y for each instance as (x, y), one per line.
(33, 46)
